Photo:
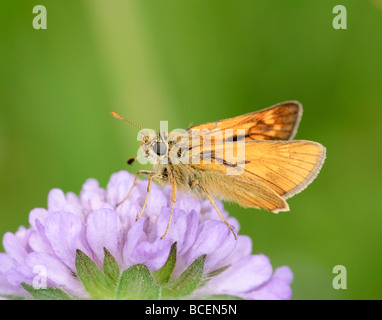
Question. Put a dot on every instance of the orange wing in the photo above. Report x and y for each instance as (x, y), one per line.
(285, 167)
(271, 172)
(278, 122)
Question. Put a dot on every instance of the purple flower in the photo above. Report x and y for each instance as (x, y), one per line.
(89, 232)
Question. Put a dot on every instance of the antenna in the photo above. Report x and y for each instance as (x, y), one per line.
(116, 115)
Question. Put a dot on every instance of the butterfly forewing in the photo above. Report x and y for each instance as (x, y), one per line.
(278, 122)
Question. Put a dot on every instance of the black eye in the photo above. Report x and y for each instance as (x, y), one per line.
(160, 148)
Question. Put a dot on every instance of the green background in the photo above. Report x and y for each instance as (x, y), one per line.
(195, 61)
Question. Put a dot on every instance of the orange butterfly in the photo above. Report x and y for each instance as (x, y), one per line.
(250, 159)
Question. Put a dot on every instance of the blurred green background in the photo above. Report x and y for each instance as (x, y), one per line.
(195, 61)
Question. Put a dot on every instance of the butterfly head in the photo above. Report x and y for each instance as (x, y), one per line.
(153, 143)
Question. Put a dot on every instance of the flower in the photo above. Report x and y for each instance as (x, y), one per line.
(88, 247)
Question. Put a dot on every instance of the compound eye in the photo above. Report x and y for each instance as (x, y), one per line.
(160, 148)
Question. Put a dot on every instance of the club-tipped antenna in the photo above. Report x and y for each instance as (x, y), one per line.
(116, 115)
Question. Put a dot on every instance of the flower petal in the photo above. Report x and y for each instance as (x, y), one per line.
(102, 232)
(56, 200)
(155, 201)
(44, 264)
(188, 203)
(183, 227)
(134, 236)
(65, 233)
(284, 273)
(128, 211)
(215, 240)
(19, 274)
(41, 231)
(178, 225)
(6, 288)
(14, 247)
(119, 186)
(37, 213)
(37, 243)
(278, 288)
(92, 196)
(190, 233)
(248, 273)
(5, 262)
(243, 248)
(153, 255)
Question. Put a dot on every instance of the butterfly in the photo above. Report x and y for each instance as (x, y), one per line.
(250, 159)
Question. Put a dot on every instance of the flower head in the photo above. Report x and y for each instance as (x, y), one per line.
(88, 247)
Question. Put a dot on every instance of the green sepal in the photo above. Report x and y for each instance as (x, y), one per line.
(46, 293)
(187, 282)
(209, 276)
(162, 276)
(136, 283)
(96, 283)
(110, 267)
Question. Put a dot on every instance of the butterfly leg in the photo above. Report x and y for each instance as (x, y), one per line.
(150, 173)
(214, 204)
(147, 195)
(172, 180)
